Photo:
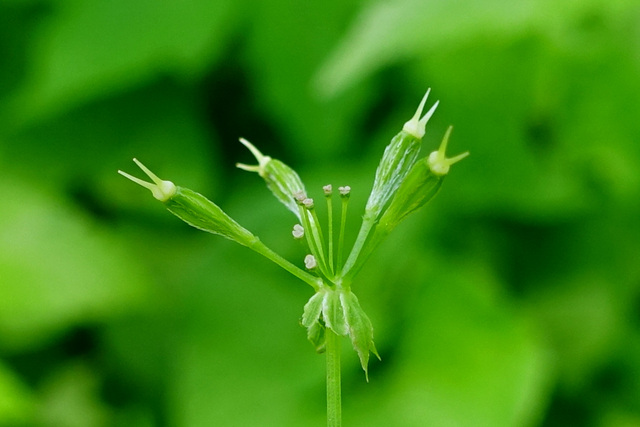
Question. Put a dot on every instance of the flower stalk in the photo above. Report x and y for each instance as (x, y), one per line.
(334, 397)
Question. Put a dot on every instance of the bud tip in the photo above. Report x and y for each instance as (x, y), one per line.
(261, 158)
(438, 161)
(416, 126)
(161, 190)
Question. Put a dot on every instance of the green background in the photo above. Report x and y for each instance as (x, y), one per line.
(513, 299)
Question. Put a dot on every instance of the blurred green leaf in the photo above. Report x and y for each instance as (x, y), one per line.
(16, 401)
(81, 150)
(388, 32)
(70, 398)
(465, 358)
(91, 48)
(287, 42)
(243, 346)
(57, 269)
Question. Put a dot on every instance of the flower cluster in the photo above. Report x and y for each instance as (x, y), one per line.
(402, 184)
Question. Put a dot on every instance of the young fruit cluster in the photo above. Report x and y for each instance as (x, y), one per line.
(402, 184)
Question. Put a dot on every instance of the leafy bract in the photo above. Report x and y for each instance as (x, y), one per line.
(340, 311)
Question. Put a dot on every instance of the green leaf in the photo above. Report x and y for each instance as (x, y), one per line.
(359, 327)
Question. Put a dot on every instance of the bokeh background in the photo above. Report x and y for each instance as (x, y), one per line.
(513, 299)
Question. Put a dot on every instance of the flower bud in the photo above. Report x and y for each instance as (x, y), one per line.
(308, 203)
(283, 181)
(310, 262)
(397, 160)
(298, 232)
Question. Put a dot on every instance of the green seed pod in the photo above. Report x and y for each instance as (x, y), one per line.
(420, 186)
(397, 160)
(193, 208)
(283, 181)
(199, 212)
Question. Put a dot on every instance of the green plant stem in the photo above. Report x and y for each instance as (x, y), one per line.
(315, 246)
(265, 251)
(334, 401)
(343, 222)
(330, 217)
(319, 237)
(365, 229)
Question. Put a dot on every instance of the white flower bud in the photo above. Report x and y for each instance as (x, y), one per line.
(328, 189)
(299, 196)
(298, 232)
(310, 262)
(345, 191)
(308, 203)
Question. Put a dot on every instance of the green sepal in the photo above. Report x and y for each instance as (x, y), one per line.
(360, 329)
(397, 160)
(199, 212)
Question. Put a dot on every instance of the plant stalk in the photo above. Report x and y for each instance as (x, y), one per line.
(365, 229)
(268, 253)
(334, 401)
